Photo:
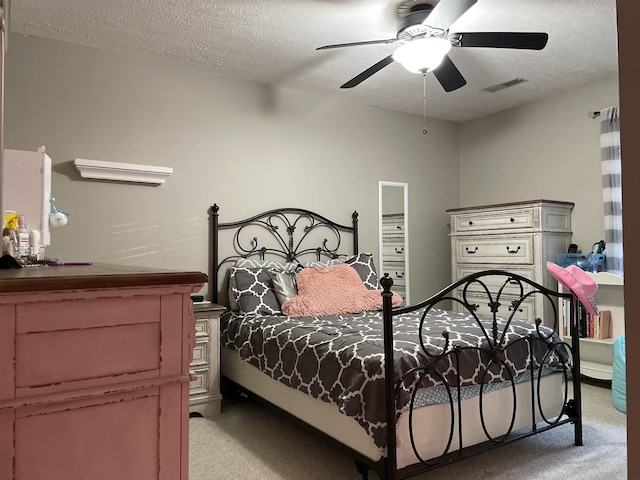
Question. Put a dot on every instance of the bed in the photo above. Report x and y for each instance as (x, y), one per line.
(452, 384)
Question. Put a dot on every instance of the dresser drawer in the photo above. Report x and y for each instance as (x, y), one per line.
(493, 220)
(50, 358)
(201, 354)
(493, 282)
(398, 284)
(393, 227)
(494, 249)
(393, 251)
(393, 236)
(201, 384)
(202, 327)
(526, 310)
(395, 269)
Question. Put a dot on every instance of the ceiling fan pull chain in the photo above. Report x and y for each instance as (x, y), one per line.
(424, 101)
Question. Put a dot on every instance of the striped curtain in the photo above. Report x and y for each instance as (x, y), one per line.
(612, 187)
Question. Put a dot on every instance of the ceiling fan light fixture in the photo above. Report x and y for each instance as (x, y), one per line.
(424, 54)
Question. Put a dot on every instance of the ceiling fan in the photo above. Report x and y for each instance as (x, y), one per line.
(426, 42)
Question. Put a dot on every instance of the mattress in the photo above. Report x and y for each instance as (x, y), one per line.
(338, 359)
(327, 418)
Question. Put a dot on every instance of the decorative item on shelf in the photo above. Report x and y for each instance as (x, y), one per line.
(580, 283)
(57, 218)
(589, 262)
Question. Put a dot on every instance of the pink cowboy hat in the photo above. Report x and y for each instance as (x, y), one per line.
(579, 282)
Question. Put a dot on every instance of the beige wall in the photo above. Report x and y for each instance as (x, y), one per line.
(547, 149)
(249, 147)
(244, 146)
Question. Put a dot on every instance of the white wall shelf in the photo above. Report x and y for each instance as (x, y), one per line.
(122, 172)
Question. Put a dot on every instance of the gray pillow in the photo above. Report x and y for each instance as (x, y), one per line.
(270, 265)
(363, 263)
(253, 289)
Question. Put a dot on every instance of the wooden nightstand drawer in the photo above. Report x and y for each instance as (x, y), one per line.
(202, 327)
(201, 354)
(200, 385)
(204, 390)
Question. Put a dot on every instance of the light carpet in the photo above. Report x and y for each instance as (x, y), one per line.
(247, 441)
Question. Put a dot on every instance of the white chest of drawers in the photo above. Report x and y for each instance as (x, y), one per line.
(519, 237)
(204, 389)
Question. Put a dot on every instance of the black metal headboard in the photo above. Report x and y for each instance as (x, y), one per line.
(284, 233)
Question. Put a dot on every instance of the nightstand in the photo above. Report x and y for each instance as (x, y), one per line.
(204, 390)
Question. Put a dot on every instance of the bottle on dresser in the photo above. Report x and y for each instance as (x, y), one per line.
(24, 243)
(10, 242)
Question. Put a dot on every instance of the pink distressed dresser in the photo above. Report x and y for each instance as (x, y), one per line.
(94, 372)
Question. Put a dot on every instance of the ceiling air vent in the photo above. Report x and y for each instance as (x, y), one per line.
(502, 86)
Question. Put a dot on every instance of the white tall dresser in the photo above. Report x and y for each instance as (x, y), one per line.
(519, 237)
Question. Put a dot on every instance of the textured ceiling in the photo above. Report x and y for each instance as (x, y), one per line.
(274, 42)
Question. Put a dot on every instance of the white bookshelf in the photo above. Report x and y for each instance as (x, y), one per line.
(596, 355)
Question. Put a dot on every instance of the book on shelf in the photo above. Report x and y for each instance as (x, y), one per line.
(594, 326)
(604, 324)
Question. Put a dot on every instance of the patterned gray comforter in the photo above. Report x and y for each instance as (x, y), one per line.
(340, 359)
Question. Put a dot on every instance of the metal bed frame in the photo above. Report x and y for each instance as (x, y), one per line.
(289, 228)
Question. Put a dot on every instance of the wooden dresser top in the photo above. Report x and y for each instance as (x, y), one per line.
(97, 275)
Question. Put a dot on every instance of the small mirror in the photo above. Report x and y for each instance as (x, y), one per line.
(393, 201)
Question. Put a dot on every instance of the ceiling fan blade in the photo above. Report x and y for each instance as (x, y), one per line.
(449, 76)
(446, 12)
(526, 41)
(368, 72)
(353, 44)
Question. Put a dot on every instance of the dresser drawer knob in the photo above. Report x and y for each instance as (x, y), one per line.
(471, 252)
(399, 275)
(470, 222)
(512, 219)
(399, 250)
(398, 227)
(513, 307)
(513, 251)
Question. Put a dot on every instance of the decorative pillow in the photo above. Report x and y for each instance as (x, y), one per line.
(325, 263)
(363, 263)
(272, 265)
(286, 267)
(333, 291)
(284, 286)
(254, 291)
(233, 302)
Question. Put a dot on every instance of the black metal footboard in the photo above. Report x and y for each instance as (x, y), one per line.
(546, 353)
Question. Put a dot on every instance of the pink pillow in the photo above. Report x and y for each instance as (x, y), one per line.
(333, 290)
